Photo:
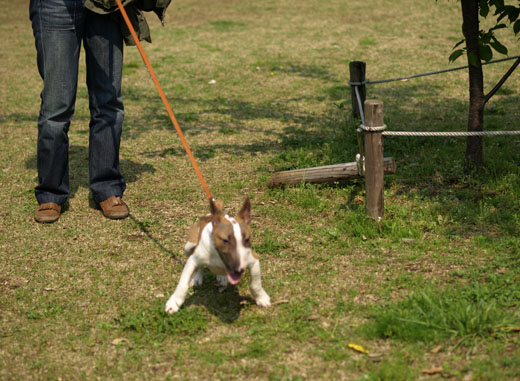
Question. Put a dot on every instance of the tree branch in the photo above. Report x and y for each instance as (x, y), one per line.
(502, 80)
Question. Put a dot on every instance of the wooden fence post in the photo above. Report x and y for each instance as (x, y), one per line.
(374, 168)
(357, 75)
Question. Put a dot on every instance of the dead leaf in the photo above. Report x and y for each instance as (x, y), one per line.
(437, 349)
(357, 348)
(511, 329)
(433, 371)
(119, 341)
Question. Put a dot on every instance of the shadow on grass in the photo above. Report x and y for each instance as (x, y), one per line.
(226, 305)
(145, 231)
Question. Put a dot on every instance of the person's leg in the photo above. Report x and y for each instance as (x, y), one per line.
(57, 27)
(104, 57)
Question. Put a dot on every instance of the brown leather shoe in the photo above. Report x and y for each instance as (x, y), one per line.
(114, 208)
(48, 212)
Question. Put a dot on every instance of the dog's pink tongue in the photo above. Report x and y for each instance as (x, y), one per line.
(233, 278)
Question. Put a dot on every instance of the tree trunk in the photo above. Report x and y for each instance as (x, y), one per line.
(470, 28)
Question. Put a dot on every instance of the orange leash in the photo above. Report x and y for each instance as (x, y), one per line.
(163, 97)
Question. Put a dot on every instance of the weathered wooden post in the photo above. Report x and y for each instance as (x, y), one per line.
(374, 167)
(357, 80)
(323, 174)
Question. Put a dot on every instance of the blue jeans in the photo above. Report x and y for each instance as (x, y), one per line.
(60, 27)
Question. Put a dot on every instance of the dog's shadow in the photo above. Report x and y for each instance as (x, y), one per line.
(226, 304)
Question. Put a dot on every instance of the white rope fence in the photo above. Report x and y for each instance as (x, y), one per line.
(450, 134)
(457, 134)
(363, 128)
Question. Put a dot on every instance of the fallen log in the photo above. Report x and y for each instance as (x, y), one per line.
(324, 174)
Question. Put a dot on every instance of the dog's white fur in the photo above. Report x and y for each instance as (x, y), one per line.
(204, 253)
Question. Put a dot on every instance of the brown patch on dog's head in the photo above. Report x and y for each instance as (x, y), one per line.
(227, 244)
(224, 239)
(244, 219)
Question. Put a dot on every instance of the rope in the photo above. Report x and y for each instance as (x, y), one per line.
(382, 129)
(367, 81)
(372, 129)
(452, 134)
(163, 97)
(363, 128)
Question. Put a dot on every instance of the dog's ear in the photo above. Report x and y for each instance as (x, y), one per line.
(215, 207)
(245, 212)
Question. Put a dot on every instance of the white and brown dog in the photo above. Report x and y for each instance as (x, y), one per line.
(222, 244)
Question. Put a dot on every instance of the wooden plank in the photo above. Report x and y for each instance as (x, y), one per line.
(323, 174)
(374, 165)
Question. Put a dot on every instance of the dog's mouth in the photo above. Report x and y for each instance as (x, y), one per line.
(233, 277)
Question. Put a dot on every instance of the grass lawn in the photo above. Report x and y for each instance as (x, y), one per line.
(431, 293)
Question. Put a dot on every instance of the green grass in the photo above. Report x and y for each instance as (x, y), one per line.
(153, 324)
(435, 315)
(435, 285)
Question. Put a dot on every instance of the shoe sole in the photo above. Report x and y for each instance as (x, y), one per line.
(116, 217)
(46, 220)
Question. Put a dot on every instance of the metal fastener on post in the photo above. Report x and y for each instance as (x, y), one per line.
(357, 83)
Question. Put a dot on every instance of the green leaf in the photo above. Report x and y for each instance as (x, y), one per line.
(498, 26)
(498, 46)
(472, 59)
(516, 27)
(502, 15)
(513, 15)
(484, 8)
(456, 54)
(460, 42)
(485, 38)
(486, 53)
(499, 4)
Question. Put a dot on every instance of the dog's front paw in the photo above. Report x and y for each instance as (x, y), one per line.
(263, 300)
(222, 280)
(171, 306)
